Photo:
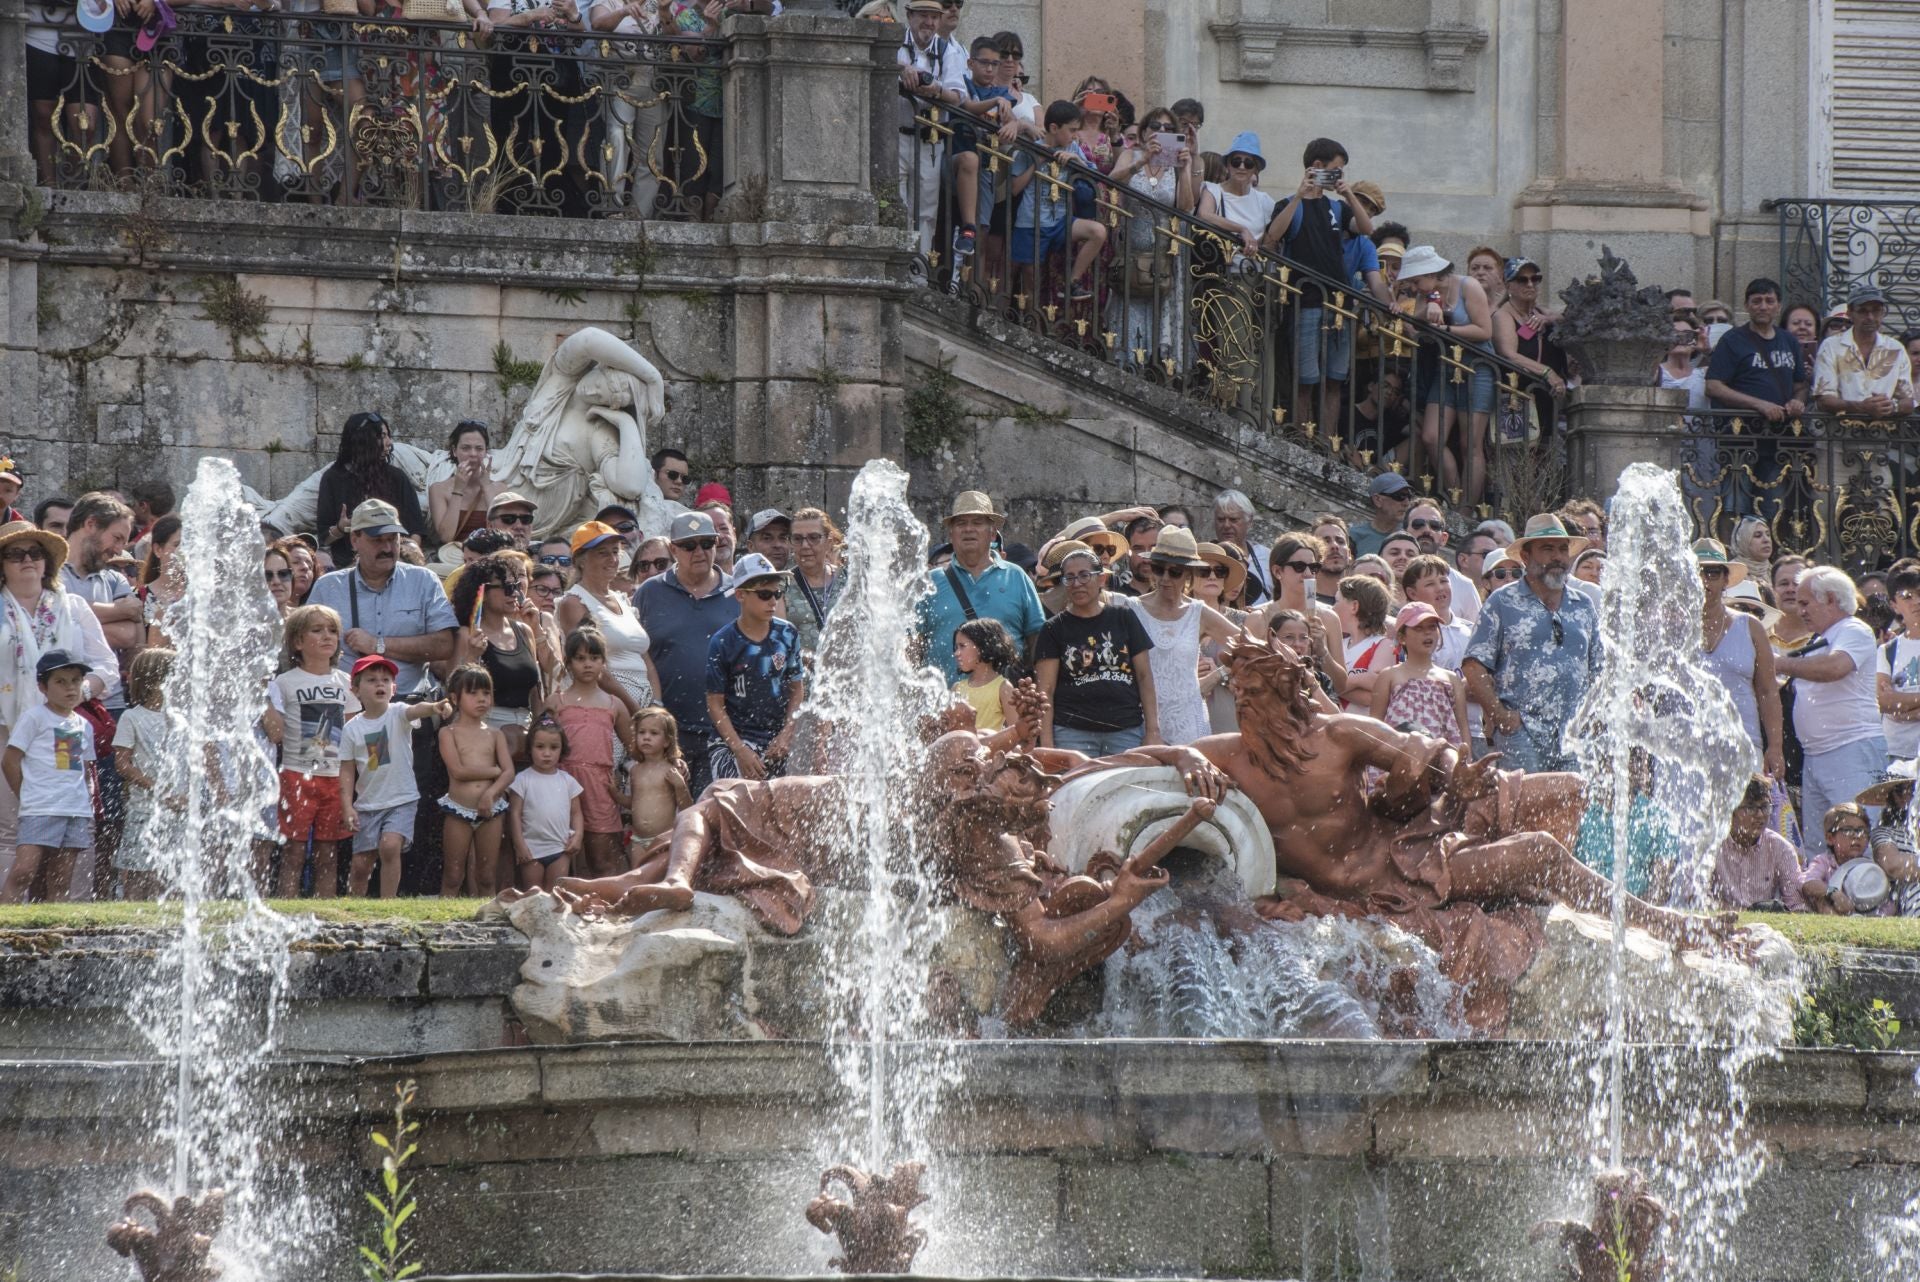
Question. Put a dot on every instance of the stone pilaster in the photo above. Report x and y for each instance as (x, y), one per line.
(1612, 427)
(818, 280)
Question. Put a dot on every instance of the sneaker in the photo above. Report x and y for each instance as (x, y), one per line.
(1082, 292)
(963, 243)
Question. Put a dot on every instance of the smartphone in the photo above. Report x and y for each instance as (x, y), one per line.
(1100, 104)
(1170, 145)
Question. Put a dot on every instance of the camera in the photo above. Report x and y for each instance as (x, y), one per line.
(1327, 179)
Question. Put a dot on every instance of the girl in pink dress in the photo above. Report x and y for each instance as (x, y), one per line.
(1414, 692)
(592, 719)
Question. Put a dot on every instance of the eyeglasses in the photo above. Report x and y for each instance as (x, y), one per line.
(278, 576)
(818, 536)
(651, 565)
(1848, 830)
(1301, 567)
(1532, 279)
(1171, 571)
(625, 527)
(766, 594)
(26, 554)
(514, 518)
(1426, 525)
(675, 477)
(990, 64)
(1079, 576)
(1242, 162)
(561, 561)
(543, 589)
(701, 545)
(1502, 574)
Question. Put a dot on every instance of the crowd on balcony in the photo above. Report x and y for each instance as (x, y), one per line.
(463, 707)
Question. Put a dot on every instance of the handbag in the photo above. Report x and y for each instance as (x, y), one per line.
(1517, 424)
(100, 721)
(1143, 273)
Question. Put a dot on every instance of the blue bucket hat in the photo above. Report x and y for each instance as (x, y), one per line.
(1246, 144)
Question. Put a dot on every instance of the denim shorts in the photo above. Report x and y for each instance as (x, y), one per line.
(56, 832)
(1474, 393)
(374, 824)
(1306, 348)
(1099, 743)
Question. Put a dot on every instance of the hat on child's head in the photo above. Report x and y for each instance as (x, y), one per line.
(53, 661)
(372, 662)
(1415, 613)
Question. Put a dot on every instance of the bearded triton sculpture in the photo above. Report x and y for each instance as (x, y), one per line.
(871, 1221)
(175, 1247)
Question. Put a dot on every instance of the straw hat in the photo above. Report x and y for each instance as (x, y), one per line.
(1218, 554)
(973, 503)
(1896, 776)
(1175, 546)
(1089, 531)
(1714, 552)
(1059, 550)
(26, 531)
(1749, 593)
(1543, 528)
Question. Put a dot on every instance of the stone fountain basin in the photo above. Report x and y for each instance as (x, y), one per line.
(1312, 1159)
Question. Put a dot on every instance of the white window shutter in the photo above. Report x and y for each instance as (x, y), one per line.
(1873, 115)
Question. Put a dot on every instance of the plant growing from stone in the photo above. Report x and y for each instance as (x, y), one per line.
(385, 1260)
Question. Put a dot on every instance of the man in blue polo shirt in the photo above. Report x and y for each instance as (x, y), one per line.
(991, 588)
(386, 606)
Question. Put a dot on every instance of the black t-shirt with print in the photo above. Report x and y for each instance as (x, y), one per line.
(1096, 689)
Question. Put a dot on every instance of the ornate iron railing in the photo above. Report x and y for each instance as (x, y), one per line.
(1182, 304)
(1840, 490)
(1827, 247)
(390, 111)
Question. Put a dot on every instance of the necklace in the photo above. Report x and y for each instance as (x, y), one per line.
(1713, 629)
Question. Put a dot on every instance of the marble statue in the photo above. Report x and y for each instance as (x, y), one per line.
(581, 442)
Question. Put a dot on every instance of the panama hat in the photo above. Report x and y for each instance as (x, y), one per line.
(1089, 531)
(26, 531)
(973, 503)
(1714, 552)
(1542, 528)
(1896, 776)
(1219, 554)
(1740, 594)
(1175, 546)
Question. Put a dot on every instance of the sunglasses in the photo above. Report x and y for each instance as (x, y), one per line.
(1302, 567)
(1426, 525)
(1529, 279)
(551, 559)
(766, 594)
(1242, 162)
(625, 527)
(654, 565)
(27, 554)
(278, 576)
(1172, 571)
(1212, 572)
(1502, 574)
(1559, 634)
(1713, 571)
(675, 477)
(514, 518)
(701, 545)
(512, 587)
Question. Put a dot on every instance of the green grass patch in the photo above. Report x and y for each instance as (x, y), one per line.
(344, 912)
(1814, 930)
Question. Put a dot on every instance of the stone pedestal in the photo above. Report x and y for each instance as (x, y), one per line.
(818, 281)
(1609, 427)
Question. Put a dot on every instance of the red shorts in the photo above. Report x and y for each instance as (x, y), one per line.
(310, 804)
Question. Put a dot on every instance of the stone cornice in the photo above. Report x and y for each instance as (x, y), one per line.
(1441, 57)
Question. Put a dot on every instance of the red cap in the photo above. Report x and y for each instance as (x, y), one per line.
(713, 492)
(375, 661)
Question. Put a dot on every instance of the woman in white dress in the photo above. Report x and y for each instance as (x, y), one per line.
(1177, 624)
(629, 676)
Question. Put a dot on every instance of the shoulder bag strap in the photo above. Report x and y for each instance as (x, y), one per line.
(813, 601)
(966, 602)
(353, 598)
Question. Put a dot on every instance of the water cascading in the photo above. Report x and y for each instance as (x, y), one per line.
(870, 699)
(211, 1005)
(1654, 695)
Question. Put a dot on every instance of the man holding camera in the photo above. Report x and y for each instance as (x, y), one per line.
(932, 75)
(1311, 229)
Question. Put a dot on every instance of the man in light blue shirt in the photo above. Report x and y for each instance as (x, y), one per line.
(386, 606)
(993, 588)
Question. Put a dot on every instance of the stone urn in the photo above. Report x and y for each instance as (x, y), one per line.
(1615, 329)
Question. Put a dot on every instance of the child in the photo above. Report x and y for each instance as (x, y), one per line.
(543, 811)
(479, 772)
(755, 680)
(983, 651)
(46, 766)
(376, 774)
(1846, 828)
(594, 721)
(1414, 692)
(144, 747)
(307, 710)
(656, 782)
(1756, 866)
(1042, 220)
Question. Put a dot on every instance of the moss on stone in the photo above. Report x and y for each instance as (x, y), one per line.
(97, 916)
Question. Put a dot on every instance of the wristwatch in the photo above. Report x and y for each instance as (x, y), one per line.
(379, 645)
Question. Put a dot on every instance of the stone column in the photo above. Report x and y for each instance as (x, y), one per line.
(1607, 181)
(818, 274)
(16, 165)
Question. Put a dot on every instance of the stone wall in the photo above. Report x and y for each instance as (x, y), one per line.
(1415, 1161)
